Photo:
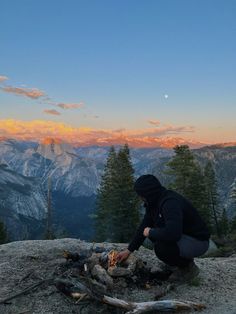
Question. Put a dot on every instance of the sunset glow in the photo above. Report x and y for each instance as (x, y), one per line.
(42, 131)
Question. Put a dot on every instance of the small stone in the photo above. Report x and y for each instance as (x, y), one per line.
(121, 284)
(155, 269)
(98, 249)
(118, 271)
(133, 263)
(93, 260)
(134, 278)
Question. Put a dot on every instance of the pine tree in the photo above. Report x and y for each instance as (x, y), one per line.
(3, 234)
(233, 204)
(105, 193)
(188, 178)
(233, 225)
(224, 224)
(126, 215)
(212, 198)
(181, 168)
(117, 205)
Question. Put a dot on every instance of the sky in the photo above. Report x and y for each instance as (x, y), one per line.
(154, 72)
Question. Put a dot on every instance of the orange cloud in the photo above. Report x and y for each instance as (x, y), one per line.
(3, 78)
(70, 106)
(38, 130)
(32, 93)
(52, 111)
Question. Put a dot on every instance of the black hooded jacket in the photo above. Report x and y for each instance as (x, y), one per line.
(168, 214)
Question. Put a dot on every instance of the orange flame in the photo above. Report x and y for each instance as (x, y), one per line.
(112, 258)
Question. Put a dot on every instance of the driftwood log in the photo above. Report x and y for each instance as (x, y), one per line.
(77, 288)
(142, 307)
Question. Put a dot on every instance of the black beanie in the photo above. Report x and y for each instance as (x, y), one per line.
(147, 186)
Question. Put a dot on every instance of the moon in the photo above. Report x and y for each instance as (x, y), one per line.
(166, 96)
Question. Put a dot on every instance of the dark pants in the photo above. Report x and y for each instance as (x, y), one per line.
(180, 253)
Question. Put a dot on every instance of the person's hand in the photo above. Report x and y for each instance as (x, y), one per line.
(146, 232)
(123, 255)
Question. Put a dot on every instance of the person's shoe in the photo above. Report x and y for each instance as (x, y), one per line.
(184, 274)
(167, 268)
(162, 271)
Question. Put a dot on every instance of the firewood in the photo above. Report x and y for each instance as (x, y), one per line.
(116, 271)
(142, 307)
(131, 307)
(102, 276)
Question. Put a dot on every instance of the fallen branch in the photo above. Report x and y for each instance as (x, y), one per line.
(25, 277)
(29, 289)
(142, 307)
(71, 289)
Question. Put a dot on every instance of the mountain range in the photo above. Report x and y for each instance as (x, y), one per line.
(75, 173)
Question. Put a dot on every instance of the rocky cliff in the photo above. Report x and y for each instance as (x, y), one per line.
(22, 203)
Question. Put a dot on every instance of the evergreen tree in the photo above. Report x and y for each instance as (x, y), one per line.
(188, 178)
(233, 204)
(105, 198)
(181, 168)
(126, 214)
(224, 223)
(3, 234)
(213, 199)
(233, 225)
(233, 193)
(117, 212)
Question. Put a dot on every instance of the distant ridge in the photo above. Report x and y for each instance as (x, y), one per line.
(158, 142)
(221, 145)
(163, 143)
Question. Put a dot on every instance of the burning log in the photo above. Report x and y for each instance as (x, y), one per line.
(112, 258)
(116, 270)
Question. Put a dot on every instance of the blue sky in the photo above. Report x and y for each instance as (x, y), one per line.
(119, 58)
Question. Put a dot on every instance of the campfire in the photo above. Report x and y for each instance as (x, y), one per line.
(104, 269)
(98, 275)
(112, 258)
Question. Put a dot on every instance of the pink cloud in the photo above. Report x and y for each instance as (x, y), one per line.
(70, 106)
(32, 93)
(3, 78)
(52, 111)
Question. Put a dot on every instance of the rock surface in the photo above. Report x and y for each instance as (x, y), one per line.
(25, 263)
